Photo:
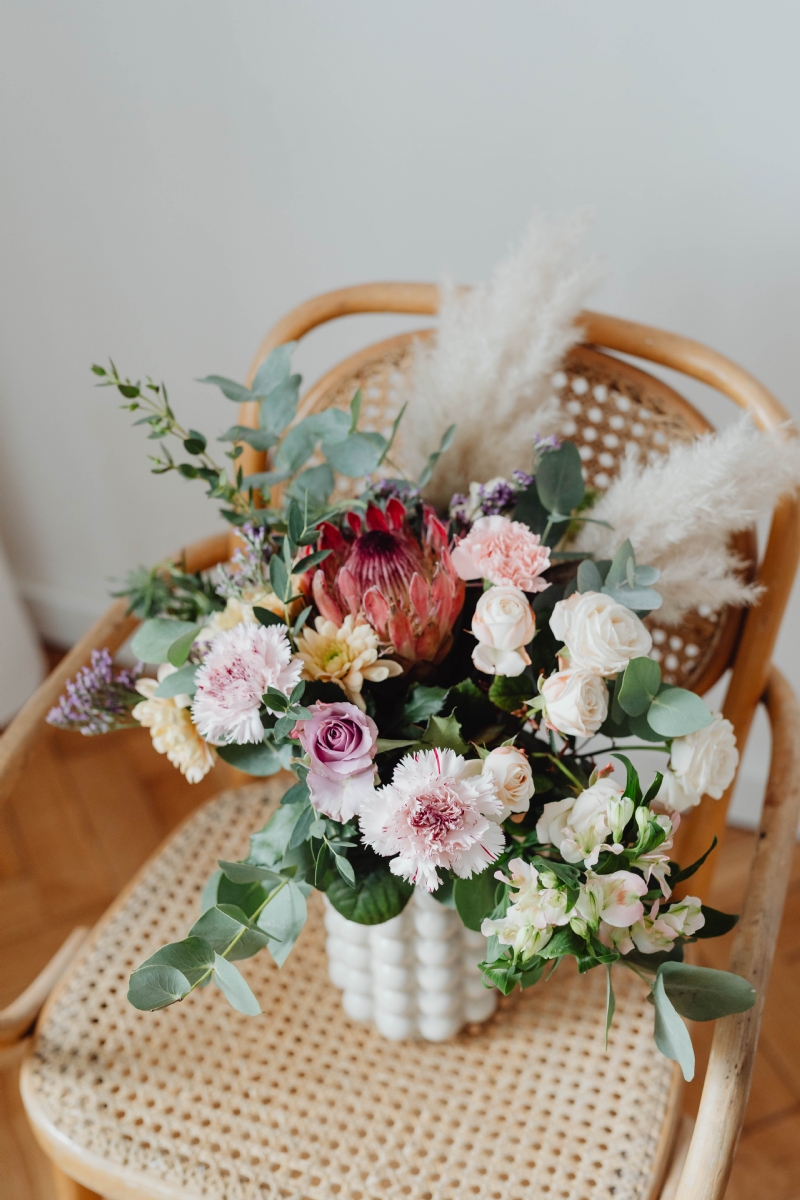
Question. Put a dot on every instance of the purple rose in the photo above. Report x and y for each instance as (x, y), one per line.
(340, 741)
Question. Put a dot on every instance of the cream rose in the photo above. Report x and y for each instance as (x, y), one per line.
(503, 624)
(601, 636)
(701, 764)
(576, 703)
(511, 771)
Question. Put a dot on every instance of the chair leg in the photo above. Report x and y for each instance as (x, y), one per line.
(68, 1189)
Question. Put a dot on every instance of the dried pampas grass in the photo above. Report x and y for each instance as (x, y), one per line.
(680, 511)
(488, 368)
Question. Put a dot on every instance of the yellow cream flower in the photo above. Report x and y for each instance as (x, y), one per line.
(239, 610)
(345, 655)
(169, 720)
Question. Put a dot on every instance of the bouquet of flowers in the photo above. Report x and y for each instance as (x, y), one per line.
(451, 691)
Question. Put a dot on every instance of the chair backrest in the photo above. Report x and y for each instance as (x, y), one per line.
(607, 403)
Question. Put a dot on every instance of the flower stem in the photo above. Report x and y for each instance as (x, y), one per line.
(555, 759)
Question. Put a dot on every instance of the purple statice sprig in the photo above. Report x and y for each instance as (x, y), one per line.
(99, 699)
(249, 566)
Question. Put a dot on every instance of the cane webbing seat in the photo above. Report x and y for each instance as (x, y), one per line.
(303, 1102)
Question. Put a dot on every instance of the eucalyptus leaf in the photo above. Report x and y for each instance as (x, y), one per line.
(279, 406)
(589, 578)
(152, 641)
(181, 647)
(235, 987)
(208, 897)
(192, 957)
(221, 924)
(258, 759)
(234, 391)
(444, 445)
(676, 712)
(296, 448)
(315, 482)
(259, 439)
(357, 455)
(156, 986)
(671, 1035)
(269, 845)
(180, 683)
(283, 920)
(618, 571)
(246, 872)
(703, 994)
(274, 369)
(559, 479)
(640, 685)
(639, 599)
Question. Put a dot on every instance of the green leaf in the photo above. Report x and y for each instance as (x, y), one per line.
(687, 872)
(676, 712)
(509, 692)
(384, 745)
(274, 369)
(279, 576)
(702, 994)
(279, 406)
(326, 693)
(296, 794)
(180, 649)
(589, 578)
(235, 987)
(345, 869)
(283, 919)
(259, 439)
(530, 510)
(640, 685)
(331, 425)
(192, 957)
(311, 560)
(156, 986)
(672, 1036)
(357, 455)
(180, 683)
(502, 975)
(422, 702)
(618, 571)
(717, 923)
(444, 733)
(611, 1003)
(259, 759)
(564, 941)
(219, 926)
(444, 445)
(296, 448)
(472, 706)
(208, 897)
(246, 872)
(633, 790)
(266, 617)
(305, 820)
(475, 898)
(194, 445)
(559, 479)
(355, 410)
(639, 599)
(315, 482)
(152, 641)
(377, 897)
(269, 845)
(640, 727)
(234, 391)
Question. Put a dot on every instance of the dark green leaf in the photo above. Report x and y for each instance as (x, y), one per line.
(305, 820)
(377, 897)
(633, 788)
(687, 872)
(640, 685)
(640, 727)
(475, 898)
(325, 693)
(234, 987)
(156, 986)
(502, 975)
(702, 994)
(279, 576)
(509, 692)
(422, 702)
(559, 479)
(311, 560)
(672, 1036)
(530, 510)
(676, 712)
(266, 617)
(180, 648)
(564, 941)
(257, 759)
(444, 733)
(384, 745)
(717, 923)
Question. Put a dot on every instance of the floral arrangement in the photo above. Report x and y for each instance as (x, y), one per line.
(451, 691)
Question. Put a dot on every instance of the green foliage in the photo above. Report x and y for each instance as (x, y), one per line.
(629, 584)
(377, 896)
(444, 733)
(153, 987)
(180, 683)
(559, 479)
(475, 898)
(168, 591)
(225, 924)
(717, 923)
(444, 445)
(283, 919)
(154, 639)
(676, 712)
(262, 759)
(422, 702)
(509, 692)
(639, 687)
(671, 1035)
(703, 994)
(234, 987)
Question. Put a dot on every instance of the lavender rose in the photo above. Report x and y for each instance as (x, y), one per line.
(340, 742)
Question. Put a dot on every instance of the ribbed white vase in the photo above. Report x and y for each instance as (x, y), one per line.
(415, 976)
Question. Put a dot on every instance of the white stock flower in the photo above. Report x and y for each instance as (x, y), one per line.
(601, 636)
(503, 624)
(658, 931)
(613, 898)
(538, 907)
(579, 826)
(701, 764)
(434, 814)
(576, 703)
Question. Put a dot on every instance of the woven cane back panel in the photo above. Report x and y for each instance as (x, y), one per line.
(302, 1102)
(606, 405)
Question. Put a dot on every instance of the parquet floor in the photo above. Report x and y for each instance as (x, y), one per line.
(92, 809)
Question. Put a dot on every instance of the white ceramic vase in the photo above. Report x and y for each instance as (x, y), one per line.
(415, 976)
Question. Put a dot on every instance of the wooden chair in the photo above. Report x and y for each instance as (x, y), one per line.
(303, 1101)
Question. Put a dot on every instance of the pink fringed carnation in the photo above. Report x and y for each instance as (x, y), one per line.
(240, 665)
(504, 552)
(432, 815)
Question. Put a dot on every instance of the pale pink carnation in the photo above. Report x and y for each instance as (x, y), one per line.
(433, 815)
(240, 665)
(504, 552)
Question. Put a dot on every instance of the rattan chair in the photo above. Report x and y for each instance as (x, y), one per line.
(304, 1102)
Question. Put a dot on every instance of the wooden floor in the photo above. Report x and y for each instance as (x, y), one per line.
(92, 809)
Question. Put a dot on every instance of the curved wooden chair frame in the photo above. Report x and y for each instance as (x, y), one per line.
(753, 680)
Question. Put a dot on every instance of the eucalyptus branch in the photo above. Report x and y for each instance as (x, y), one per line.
(238, 937)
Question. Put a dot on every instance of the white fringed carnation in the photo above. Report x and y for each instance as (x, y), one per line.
(240, 665)
(434, 815)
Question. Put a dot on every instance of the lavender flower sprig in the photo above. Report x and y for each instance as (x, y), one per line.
(249, 566)
(99, 699)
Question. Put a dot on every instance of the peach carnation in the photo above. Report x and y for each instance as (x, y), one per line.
(504, 552)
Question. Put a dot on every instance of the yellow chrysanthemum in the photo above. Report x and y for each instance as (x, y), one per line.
(345, 655)
(169, 720)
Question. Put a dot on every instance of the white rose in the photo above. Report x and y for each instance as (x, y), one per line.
(511, 771)
(503, 624)
(600, 635)
(576, 703)
(701, 764)
(652, 934)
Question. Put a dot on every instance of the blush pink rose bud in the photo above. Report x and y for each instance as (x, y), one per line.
(340, 742)
(503, 551)
(503, 624)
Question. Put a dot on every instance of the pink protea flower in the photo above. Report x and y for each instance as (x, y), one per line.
(240, 665)
(504, 552)
(406, 588)
(434, 815)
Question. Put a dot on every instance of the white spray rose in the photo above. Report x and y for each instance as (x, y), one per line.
(503, 624)
(512, 774)
(576, 703)
(701, 764)
(600, 635)
(580, 826)
(658, 931)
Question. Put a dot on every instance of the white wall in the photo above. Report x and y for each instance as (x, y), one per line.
(177, 174)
